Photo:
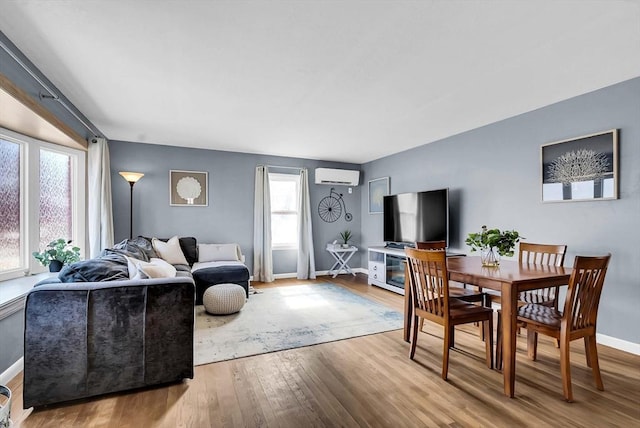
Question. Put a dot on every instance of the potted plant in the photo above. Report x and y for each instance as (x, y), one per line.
(346, 237)
(492, 244)
(57, 254)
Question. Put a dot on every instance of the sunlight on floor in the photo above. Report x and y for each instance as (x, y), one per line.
(298, 298)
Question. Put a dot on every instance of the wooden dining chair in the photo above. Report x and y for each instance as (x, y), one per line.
(466, 294)
(429, 287)
(577, 320)
(544, 255)
(462, 293)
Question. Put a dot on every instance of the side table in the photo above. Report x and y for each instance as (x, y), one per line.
(342, 257)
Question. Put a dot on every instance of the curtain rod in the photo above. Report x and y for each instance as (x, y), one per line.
(284, 167)
(46, 87)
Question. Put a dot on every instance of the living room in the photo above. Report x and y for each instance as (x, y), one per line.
(492, 168)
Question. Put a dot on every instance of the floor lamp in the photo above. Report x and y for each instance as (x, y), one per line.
(132, 178)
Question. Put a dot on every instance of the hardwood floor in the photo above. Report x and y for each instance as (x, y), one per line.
(368, 381)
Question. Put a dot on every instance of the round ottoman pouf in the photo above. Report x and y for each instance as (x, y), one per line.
(223, 299)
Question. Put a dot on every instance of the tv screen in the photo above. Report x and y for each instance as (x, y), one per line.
(419, 216)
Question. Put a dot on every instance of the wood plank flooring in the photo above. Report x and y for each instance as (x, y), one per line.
(368, 382)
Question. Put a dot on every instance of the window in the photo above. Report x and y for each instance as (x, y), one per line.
(284, 189)
(55, 196)
(41, 199)
(10, 202)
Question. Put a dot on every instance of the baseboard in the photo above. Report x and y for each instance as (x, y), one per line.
(318, 273)
(285, 275)
(622, 345)
(12, 371)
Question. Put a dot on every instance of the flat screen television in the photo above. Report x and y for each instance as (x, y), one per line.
(418, 216)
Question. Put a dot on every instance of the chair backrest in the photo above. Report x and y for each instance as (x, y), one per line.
(431, 245)
(583, 294)
(428, 280)
(545, 255)
(542, 254)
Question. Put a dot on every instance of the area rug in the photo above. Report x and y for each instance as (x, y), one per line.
(289, 317)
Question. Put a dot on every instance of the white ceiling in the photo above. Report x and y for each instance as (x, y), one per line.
(335, 80)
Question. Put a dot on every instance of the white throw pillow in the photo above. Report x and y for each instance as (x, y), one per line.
(170, 251)
(156, 268)
(133, 267)
(218, 252)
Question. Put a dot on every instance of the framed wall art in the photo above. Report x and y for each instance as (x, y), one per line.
(378, 189)
(188, 188)
(581, 169)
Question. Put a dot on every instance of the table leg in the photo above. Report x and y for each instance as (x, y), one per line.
(336, 264)
(509, 305)
(341, 263)
(345, 263)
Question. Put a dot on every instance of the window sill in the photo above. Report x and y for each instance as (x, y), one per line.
(14, 291)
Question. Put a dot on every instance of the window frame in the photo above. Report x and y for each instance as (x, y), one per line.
(30, 199)
(276, 176)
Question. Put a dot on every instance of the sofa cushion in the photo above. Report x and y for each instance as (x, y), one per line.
(218, 252)
(109, 267)
(170, 251)
(211, 273)
(183, 268)
(156, 268)
(189, 246)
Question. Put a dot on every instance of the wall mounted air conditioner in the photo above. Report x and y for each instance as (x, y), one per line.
(337, 177)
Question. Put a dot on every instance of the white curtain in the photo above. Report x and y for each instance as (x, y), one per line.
(306, 257)
(100, 212)
(262, 256)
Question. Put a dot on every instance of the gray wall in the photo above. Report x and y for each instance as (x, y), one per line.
(19, 77)
(229, 216)
(11, 338)
(494, 176)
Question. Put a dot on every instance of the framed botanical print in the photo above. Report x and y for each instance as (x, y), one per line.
(581, 169)
(188, 188)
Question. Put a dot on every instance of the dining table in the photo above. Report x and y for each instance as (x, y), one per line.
(509, 278)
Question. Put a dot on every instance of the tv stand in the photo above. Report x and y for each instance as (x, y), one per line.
(386, 266)
(397, 245)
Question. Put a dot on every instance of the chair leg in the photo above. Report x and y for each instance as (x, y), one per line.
(488, 334)
(532, 344)
(499, 343)
(414, 337)
(452, 336)
(595, 366)
(445, 351)
(565, 366)
(587, 351)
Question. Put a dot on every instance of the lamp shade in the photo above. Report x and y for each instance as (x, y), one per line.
(131, 177)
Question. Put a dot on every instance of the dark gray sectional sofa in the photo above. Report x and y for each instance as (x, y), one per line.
(94, 331)
(93, 338)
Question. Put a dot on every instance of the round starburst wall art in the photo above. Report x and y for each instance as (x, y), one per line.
(188, 188)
